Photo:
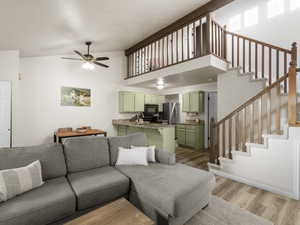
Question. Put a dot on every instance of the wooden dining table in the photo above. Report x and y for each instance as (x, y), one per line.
(58, 136)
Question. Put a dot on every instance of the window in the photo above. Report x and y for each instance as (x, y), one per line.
(235, 23)
(275, 8)
(294, 4)
(251, 17)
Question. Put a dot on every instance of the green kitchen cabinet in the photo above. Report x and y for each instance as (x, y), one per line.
(139, 102)
(161, 101)
(162, 137)
(193, 102)
(186, 102)
(154, 99)
(135, 101)
(126, 102)
(122, 130)
(148, 99)
(180, 134)
(190, 135)
(151, 99)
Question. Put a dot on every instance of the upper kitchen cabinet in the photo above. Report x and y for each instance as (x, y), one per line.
(139, 102)
(161, 101)
(186, 102)
(151, 99)
(135, 101)
(126, 101)
(193, 102)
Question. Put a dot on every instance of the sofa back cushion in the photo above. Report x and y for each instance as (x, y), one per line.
(137, 139)
(84, 153)
(50, 155)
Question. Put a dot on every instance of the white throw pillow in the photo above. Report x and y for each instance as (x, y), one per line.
(14, 182)
(150, 152)
(132, 157)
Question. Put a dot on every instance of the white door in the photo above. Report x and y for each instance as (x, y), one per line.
(5, 114)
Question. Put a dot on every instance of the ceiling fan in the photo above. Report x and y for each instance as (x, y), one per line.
(88, 59)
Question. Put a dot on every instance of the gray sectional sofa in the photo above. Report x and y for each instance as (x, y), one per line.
(81, 175)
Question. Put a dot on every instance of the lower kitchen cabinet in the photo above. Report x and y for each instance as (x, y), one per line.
(190, 135)
(163, 138)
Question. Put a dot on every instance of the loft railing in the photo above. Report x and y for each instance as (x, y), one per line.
(262, 114)
(204, 36)
(201, 37)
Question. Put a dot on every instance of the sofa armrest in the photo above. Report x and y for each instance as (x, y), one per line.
(165, 157)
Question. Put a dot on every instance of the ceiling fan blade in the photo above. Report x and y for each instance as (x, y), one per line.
(81, 55)
(100, 64)
(72, 58)
(102, 58)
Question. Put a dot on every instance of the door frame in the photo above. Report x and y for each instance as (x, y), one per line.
(209, 114)
(11, 108)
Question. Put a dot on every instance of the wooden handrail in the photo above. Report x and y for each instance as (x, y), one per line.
(251, 100)
(260, 42)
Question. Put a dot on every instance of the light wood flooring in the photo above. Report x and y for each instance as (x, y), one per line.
(278, 209)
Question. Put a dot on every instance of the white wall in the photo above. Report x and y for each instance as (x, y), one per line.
(273, 166)
(281, 30)
(39, 96)
(235, 89)
(9, 70)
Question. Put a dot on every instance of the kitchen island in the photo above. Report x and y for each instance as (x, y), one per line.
(160, 135)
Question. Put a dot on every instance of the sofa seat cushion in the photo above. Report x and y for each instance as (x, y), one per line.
(46, 204)
(173, 190)
(98, 186)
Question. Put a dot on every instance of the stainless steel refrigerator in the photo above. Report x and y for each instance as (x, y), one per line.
(171, 112)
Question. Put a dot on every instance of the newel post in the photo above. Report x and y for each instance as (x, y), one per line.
(292, 100)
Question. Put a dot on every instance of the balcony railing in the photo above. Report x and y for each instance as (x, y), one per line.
(201, 37)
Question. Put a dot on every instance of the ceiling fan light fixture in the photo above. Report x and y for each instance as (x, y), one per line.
(88, 66)
(160, 86)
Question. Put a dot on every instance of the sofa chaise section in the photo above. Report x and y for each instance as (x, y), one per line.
(169, 192)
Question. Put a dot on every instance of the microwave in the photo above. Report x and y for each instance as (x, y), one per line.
(150, 111)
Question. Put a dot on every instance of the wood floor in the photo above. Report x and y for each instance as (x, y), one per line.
(278, 209)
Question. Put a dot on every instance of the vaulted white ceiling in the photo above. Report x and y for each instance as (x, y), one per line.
(52, 27)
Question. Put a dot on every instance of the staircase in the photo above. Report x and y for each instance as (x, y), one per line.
(258, 143)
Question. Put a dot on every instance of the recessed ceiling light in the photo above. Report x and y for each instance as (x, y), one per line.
(160, 86)
(160, 81)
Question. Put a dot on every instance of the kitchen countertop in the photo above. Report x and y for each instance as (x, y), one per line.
(201, 122)
(145, 125)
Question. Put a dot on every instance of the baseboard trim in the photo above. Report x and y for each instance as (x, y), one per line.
(254, 184)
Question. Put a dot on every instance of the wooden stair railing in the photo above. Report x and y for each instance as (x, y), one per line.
(263, 59)
(246, 122)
